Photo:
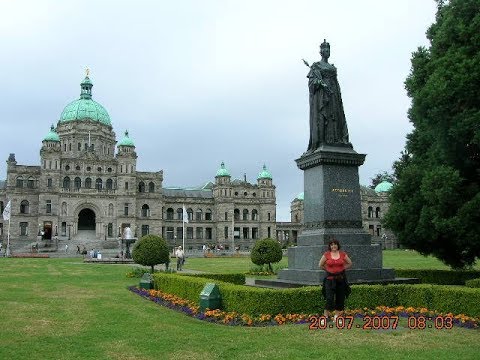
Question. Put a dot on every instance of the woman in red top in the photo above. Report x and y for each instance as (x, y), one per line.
(334, 262)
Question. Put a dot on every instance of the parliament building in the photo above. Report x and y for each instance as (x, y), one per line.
(87, 187)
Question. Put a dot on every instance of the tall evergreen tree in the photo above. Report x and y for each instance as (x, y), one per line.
(435, 204)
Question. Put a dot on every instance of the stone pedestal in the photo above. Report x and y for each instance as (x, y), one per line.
(332, 208)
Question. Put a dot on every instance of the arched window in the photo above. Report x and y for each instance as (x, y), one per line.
(98, 184)
(141, 187)
(77, 183)
(31, 183)
(208, 215)
(88, 183)
(169, 214)
(377, 212)
(110, 209)
(24, 207)
(151, 187)
(190, 214)
(66, 182)
(236, 214)
(145, 210)
(245, 215)
(109, 184)
(19, 182)
(370, 212)
(198, 215)
(179, 214)
(254, 214)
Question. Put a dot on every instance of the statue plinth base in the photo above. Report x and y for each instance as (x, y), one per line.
(332, 208)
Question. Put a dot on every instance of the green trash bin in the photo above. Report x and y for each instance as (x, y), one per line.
(210, 297)
(146, 282)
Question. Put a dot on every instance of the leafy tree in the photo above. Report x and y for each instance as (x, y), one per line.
(266, 251)
(151, 250)
(383, 176)
(435, 203)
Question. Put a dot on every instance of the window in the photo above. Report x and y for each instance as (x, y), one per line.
(88, 183)
(254, 233)
(370, 212)
(269, 217)
(226, 215)
(77, 183)
(190, 214)
(377, 212)
(64, 228)
(79, 146)
(379, 230)
(48, 207)
(236, 233)
(109, 169)
(254, 215)
(145, 210)
(2, 207)
(145, 230)
(269, 232)
(246, 233)
(236, 214)
(66, 182)
(110, 230)
(30, 183)
(226, 232)
(1, 229)
(77, 167)
(208, 233)
(24, 207)
(89, 168)
(169, 214)
(189, 232)
(245, 215)
(99, 169)
(141, 187)
(64, 209)
(198, 215)
(126, 185)
(109, 184)
(179, 214)
(67, 167)
(19, 183)
(23, 229)
(199, 233)
(208, 215)
(179, 233)
(98, 184)
(151, 187)
(125, 209)
(49, 182)
(170, 233)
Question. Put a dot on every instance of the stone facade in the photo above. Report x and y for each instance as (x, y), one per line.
(88, 182)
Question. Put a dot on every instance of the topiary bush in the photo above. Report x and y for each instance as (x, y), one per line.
(151, 250)
(266, 251)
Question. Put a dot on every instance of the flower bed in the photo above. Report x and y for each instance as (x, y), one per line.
(233, 318)
(30, 255)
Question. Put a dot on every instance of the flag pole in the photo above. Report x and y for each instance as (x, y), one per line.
(8, 240)
(183, 223)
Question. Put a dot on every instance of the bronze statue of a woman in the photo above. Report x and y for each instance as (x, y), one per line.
(327, 119)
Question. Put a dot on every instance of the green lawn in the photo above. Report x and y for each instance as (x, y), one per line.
(65, 309)
(397, 259)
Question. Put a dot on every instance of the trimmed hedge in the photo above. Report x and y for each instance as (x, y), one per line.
(474, 283)
(237, 279)
(439, 277)
(308, 300)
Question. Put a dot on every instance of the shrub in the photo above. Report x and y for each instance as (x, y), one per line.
(266, 251)
(237, 279)
(439, 277)
(151, 250)
(474, 283)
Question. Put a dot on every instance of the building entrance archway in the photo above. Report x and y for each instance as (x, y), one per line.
(86, 220)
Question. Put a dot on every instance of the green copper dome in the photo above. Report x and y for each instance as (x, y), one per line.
(300, 196)
(222, 171)
(264, 174)
(384, 186)
(52, 135)
(126, 141)
(85, 107)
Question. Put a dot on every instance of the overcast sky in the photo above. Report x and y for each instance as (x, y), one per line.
(201, 82)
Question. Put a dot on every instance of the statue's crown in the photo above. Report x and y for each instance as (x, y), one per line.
(325, 44)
